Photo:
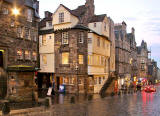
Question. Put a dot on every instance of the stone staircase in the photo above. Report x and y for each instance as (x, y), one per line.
(108, 86)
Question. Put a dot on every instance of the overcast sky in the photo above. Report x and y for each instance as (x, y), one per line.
(143, 15)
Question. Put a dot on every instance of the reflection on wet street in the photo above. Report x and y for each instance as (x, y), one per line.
(137, 104)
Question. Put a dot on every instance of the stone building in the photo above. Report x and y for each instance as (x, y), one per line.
(46, 52)
(18, 44)
(142, 59)
(81, 37)
(133, 53)
(122, 44)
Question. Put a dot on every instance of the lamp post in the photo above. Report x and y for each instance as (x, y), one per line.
(15, 11)
(76, 68)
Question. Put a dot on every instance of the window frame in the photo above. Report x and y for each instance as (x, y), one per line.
(65, 37)
(81, 59)
(61, 17)
(81, 37)
(64, 61)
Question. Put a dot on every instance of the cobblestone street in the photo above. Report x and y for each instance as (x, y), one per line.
(137, 104)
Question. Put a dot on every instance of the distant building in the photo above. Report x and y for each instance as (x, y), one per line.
(18, 44)
(123, 50)
(142, 58)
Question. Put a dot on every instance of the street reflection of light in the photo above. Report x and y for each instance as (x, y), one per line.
(15, 11)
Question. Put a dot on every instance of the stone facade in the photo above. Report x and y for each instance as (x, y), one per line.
(73, 74)
(142, 58)
(123, 67)
(18, 45)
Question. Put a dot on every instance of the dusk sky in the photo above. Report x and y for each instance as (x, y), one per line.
(143, 15)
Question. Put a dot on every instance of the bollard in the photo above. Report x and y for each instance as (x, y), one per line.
(90, 97)
(47, 103)
(72, 99)
(112, 94)
(5, 108)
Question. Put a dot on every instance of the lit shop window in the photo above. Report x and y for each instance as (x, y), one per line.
(19, 54)
(27, 55)
(34, 54)
(44, 59)
(65, 58)
(80, 59)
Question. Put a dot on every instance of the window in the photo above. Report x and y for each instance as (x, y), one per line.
(80, 81)
(29, 15)
(19, 54)
(80, 59)
(27, 55)
(65, 58)
(98, 42)
(94, 24)
(142, 61)
(64, 37)
(81, 37)
(5, 11)
(105, 26)
(28, 33)
(89, 40)
(99, 80)
(89, 59)
(49, 24)
(65, 80)
(50, 37)
(61, 17)
(71, 80)
(20, 32)
(44, 41)
(34, 54)
(35, 37)
(44, 59)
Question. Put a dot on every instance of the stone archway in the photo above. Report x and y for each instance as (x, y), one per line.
(3, 84)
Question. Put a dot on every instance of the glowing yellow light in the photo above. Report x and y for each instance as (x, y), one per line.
(15, 11)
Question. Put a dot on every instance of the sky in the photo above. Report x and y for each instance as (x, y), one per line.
(143, 15)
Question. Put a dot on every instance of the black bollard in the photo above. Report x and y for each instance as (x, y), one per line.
(5, 108)
(72, 100)
(47, 103)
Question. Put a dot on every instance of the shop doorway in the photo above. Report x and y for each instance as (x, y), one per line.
(1, 59)
(58, 82)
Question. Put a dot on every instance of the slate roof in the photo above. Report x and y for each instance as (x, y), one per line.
(43, 32)
(81, 27)
(42, 23)
(97, 18)
(79, 11)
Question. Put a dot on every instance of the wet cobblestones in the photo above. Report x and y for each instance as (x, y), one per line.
(136, 104)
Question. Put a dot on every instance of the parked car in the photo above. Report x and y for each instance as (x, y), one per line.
(150, 89)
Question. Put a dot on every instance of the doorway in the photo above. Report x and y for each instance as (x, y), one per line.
(1, 59)
(58, 82)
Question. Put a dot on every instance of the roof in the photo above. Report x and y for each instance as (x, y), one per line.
(81, 27)
(43, 32)
(42, 23)
(97, 18)
(79, 11)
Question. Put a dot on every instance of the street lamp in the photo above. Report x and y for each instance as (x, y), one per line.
(15, 11)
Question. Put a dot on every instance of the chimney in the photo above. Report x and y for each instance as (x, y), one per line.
(133, 30)
(47, 14)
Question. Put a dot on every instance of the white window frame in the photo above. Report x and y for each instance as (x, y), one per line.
(81, 37)
(61, 17)
(64, 37)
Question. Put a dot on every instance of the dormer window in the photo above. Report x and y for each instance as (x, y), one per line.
(94, 24)
(49, 24)
(61, 17)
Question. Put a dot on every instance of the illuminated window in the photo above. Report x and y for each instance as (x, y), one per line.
(89, 59)
(44, 59)
(65, 58)
(81, 37)
(19, 54)
(27, 55)
(80, 59)
(5, 11)
(61, 17)
(98, 42)
(44, 41)
(34, 54)
(65, 38)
